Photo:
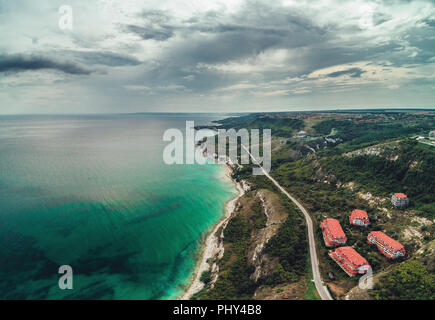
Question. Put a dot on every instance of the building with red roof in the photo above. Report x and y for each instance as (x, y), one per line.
(399, 200)
(388, 246)
(333, 234)
(359, 218)
(350, 261)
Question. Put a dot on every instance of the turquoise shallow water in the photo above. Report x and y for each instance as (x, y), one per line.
(93, 192)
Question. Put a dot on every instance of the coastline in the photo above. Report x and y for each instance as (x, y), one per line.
(211, 244)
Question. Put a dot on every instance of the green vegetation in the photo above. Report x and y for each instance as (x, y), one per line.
(234, 281)
(402, 167)
(311, 291)
(258, 217)
(206, 277)
(409, 281)
(282, 127)
(288, 246)
(412, 172)
(315, 171)
(291, 247)
(373, 129)
(363, 132)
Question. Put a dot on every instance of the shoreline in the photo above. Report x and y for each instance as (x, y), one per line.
(211, 246)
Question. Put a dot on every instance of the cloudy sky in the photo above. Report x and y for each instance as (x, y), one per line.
(215, 56)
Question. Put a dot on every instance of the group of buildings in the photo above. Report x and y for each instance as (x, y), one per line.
(347, 257)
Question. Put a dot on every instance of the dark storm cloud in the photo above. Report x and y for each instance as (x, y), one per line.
(222, 48)
(234, 28)
(212, 37)
(110, 59)
(159, 34)
(352, 72)
(18, 62)
(216, 38)
(196, 51)
(156, 26)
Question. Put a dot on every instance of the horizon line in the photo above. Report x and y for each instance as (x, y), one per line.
(222, 113)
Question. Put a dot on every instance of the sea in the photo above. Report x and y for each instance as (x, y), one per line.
(92, 192)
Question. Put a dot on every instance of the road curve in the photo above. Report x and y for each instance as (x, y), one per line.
(321, 288)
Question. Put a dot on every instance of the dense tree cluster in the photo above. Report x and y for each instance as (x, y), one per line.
(408, 281)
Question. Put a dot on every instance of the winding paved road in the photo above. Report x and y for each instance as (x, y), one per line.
(321, 288)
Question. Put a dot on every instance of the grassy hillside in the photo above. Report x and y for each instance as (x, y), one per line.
(409, 169)
(282, 127)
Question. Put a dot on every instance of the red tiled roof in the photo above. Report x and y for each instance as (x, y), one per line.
(335, 228)
(359, 214)
(352, 255)
(400, 195)
(390, 241)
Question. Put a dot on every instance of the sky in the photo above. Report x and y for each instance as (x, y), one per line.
(115, 56)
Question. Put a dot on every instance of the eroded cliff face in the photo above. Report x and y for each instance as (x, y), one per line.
(242, 267)
(253, 206)
(264, 264)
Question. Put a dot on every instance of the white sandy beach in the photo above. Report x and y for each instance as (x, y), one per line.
(212, 245)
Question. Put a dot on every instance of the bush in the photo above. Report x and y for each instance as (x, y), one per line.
(206, 277)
